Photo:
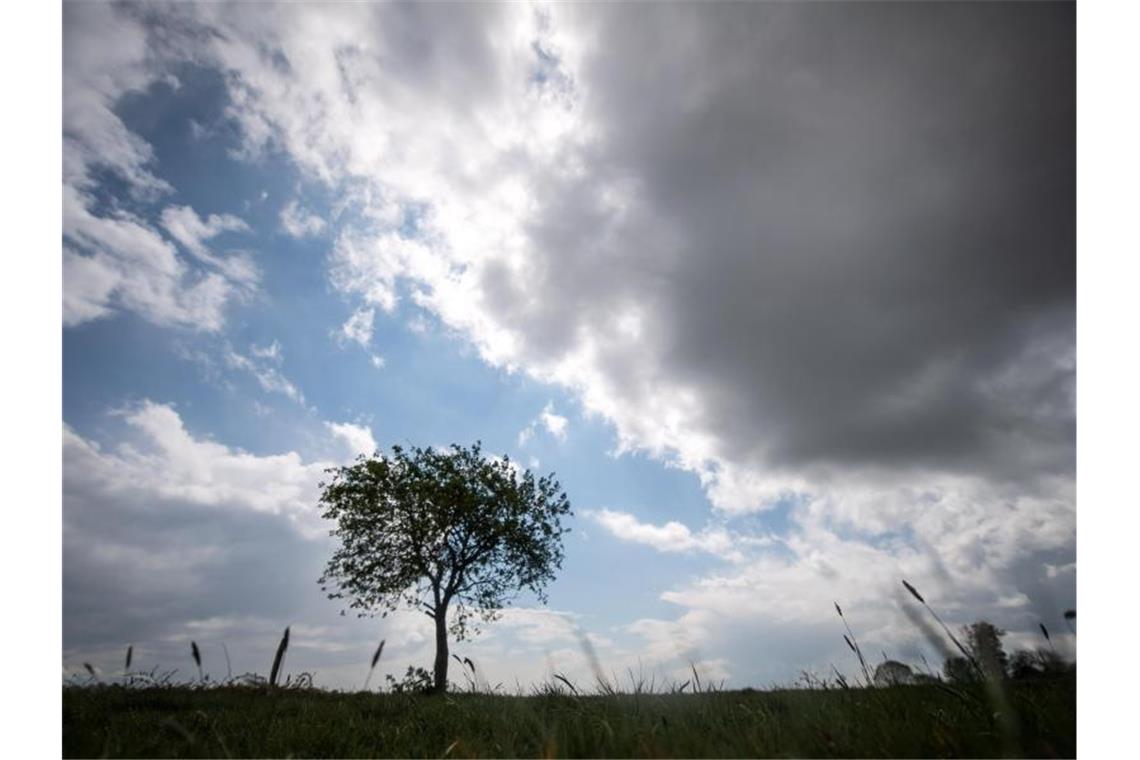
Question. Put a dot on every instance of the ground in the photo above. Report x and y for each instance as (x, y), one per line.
(930, 720)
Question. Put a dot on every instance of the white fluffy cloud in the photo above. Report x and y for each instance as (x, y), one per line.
(674, 536)
(167, 463)
(969, 560)
(358, 438)
(125, 263)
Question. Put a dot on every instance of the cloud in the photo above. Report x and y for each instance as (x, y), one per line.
(795, 276)
(300, 222)
(358, 327)
(970, 561)
(166, 461)
(555, 424)
(95, 76)
(550, 421)
(113, 259)
(168, 534)
(358, 438)
(674, 536)
(112, 262)
(268, 377)
(185, 226)
(271, 352)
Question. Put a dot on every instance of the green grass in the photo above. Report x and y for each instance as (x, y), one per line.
(902, 721)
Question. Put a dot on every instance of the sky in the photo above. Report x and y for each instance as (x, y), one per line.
(783, 295)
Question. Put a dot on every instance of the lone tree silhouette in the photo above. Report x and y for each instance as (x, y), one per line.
(441, 531)
(984, 641)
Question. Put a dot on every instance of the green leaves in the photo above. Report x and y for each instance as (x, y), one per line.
(429, 527)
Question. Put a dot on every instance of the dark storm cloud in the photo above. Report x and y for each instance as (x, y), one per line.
(848, 228)
(874, 209)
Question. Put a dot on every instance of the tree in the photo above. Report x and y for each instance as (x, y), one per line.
(984, 642)
(448, 531)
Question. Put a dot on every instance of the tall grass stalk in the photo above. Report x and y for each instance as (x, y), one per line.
(566, 681)
(1045, 633)
(278, 658)
(853, 643)
(197, 655)
(229, 670)
(372, 667)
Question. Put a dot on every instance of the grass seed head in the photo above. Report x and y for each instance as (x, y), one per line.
(376, 656)
(275, 671)
(914, 592)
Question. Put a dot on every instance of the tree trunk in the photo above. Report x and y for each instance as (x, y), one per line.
(441, 654)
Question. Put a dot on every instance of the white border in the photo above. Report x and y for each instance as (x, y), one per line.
(31, 294)
(1108, 132)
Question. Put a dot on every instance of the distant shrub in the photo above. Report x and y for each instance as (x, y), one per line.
(893, 673)
(1033, 664)
(415, 681)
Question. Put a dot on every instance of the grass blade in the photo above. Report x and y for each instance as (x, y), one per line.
(566, 681)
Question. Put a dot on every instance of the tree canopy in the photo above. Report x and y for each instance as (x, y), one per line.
(452, 533)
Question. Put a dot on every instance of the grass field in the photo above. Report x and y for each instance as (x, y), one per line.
(902, 721)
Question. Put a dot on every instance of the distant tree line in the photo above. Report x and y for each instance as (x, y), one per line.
(983, 640)
(987, 659)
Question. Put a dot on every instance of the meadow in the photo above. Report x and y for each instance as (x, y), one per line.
(923, 720)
